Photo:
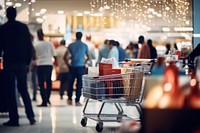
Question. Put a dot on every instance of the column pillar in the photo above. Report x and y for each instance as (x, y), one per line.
(196, 22)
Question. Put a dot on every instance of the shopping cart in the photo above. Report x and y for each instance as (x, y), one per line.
(116, 89)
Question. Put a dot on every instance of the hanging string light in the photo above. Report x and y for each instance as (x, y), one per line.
(144, 12)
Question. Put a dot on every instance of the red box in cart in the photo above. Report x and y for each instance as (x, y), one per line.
(105, 72)
(105, 69)
(116, 71)
(105, 66)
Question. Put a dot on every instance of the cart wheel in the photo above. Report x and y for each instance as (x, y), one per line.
(84, 121)
(119, 119)
(99, 127)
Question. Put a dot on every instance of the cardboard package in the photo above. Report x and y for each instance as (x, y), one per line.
(105, 69)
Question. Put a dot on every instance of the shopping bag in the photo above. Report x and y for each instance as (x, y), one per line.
(132, 81)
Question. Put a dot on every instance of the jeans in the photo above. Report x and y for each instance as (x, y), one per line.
(19, 73)
(63, 77)
(44, 75)
(34, 82)
(75, 73)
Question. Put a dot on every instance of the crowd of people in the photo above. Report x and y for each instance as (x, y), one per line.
(21, 54)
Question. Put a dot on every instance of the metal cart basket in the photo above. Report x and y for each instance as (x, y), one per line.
(117, 89)
(145, 64)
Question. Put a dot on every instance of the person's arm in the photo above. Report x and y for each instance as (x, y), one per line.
(29, 46)
(87, 55)
(66, 57)
(99, 57)
(53, 52)
(87, 58)
(33, 53)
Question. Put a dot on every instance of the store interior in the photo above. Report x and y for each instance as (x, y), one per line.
(165, 103)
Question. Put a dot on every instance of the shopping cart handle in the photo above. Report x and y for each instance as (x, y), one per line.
(139, 60)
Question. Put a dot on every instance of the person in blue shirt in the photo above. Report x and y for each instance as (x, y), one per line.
(122, 54)
(76, 53)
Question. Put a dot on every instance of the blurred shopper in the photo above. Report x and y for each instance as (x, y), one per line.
(153, 52)
(17, 53)
(103, 51)
(135, 50)
(129, 51)
(45, 51)
(76, 52)
(194, 53)
(158, 68)
(144, 51)
(168, 47)
(91, 48)
(121, 51)
(63, 68)
(175, 46)
(113, 50)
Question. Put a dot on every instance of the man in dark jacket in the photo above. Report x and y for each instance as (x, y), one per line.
(153, 51)
(194, 53)
(17, 51)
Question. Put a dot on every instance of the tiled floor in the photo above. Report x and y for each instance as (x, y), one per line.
(62, 118)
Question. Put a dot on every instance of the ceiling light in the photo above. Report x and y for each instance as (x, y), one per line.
(18, 4)
(39, 20)
(33, 1)
(154, 13)
(150, 9)
(101, 9)
(107, 7)
(183, 28)
(187, 22)
(9, 3)
(167, 8)
(79, 14)
(60, 12)
(159, 15)
(150, 16)
(32, 9)
(86, 12)
(165, 29)
(37, 14)
(44, 17)
(42, 11)
(29, 3)
(24, 0)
